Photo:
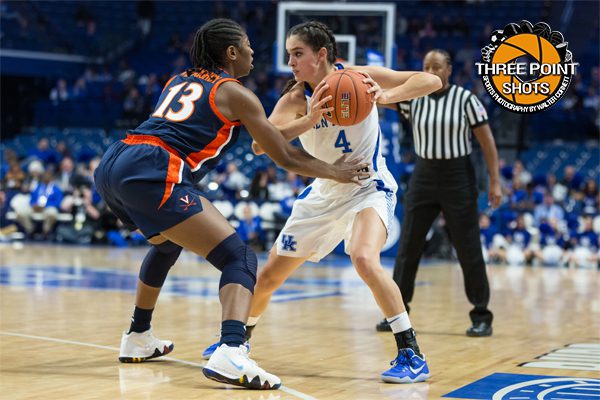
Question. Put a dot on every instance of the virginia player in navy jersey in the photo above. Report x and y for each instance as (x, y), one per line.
(148, 181)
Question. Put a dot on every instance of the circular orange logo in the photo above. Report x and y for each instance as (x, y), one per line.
(526, 68)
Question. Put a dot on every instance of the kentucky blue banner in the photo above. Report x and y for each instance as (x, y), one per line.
(500, 386)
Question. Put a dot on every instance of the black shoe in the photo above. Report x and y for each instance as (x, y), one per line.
(480, 329)
(383, 326)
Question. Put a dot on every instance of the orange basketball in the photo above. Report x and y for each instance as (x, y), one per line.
(351, 102)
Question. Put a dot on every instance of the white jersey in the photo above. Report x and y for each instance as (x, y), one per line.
(323, 214)
(328, 142)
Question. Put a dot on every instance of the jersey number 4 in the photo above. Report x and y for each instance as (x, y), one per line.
(192, 92)
(342, 142)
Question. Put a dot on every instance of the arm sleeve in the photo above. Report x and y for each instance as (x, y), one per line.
(475, 111)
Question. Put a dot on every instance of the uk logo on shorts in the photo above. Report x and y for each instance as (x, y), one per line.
(187, 202)
(288, 243)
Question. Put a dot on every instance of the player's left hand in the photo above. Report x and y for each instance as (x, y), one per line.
(495, 194)
(375, 89)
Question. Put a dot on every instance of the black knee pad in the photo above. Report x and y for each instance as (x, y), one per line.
(237, 262)
(158, 262)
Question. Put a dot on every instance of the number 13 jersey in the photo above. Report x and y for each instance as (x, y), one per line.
(187, 119)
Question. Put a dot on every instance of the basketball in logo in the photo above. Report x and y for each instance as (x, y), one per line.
(527, 48)
(526, 68)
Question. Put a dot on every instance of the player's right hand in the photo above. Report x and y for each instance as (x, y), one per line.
(315, 107)
(351, 171)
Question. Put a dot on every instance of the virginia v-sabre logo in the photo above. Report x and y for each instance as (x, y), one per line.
(526, 68)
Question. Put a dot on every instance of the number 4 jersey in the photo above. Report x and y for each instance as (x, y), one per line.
(328, 142)
(187, 119)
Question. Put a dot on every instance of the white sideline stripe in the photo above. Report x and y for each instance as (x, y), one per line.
(286, 389)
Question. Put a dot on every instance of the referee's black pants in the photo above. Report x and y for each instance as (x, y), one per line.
(447, 186)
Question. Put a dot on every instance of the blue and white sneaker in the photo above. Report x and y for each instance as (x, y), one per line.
(407, 368)
(233, 366)
(211, 349)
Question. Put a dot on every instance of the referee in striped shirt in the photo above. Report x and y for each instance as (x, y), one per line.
(444, 181)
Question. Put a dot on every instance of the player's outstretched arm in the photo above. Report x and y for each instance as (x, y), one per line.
(246, 107)
(290, 114)
(401, 85)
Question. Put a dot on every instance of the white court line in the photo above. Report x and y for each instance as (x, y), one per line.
(177, 360)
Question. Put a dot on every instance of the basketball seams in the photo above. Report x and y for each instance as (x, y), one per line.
(335, 97)
(354, 97)
(345, 91)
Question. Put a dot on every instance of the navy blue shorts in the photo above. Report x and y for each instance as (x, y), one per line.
(146, 185)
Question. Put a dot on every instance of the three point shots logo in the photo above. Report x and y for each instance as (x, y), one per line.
(526, 68)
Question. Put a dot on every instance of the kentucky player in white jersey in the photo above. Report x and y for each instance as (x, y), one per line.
(326, 213)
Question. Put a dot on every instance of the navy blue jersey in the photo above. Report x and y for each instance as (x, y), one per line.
(188, 121)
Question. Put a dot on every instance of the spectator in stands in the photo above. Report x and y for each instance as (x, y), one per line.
(45, 199)
(5, 162)
(60, 93)
(87, 212)
(259, 189)
(61, 150)
(15, 177)
(4, 223)
(80, 89)
(151, 91)
(548, 211)
(550, 251)
(519, 200)
(250, 229)
(571, 180)
(133, 107)
(520, 172)
(126, 74)
(281, 190)
(590, 193)
(557, 189)
(234, 181)
(428, 30)
(66, 175)
(43, 153)
(175, 45)
(145, 13)
(575, 204)
(518, 238)
(585, 246)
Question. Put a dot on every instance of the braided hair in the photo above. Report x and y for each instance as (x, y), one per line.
(211, 40)
(316, 34)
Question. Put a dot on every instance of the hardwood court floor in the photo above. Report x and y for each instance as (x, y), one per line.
(62, 311)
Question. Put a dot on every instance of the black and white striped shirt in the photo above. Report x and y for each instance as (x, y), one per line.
(442, 123)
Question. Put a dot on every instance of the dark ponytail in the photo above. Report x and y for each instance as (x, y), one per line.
(211, 40)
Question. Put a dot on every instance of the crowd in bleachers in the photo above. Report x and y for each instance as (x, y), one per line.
(544, 219)
(47, 193)
(125, 87)
(550, 210)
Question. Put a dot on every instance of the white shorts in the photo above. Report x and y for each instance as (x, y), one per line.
(322, 217)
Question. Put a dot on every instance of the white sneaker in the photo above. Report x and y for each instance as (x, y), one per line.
(139, 347)
(232, 365)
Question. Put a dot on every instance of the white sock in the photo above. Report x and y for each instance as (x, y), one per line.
(252, 321)
(400, 322)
